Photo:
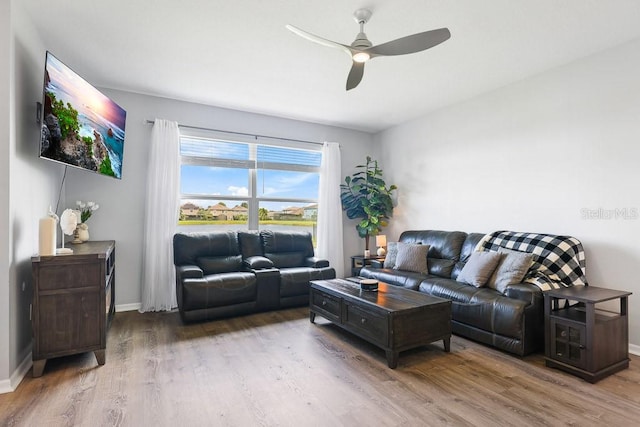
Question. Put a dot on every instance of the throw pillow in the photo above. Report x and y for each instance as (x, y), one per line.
(392, 253)
(478, 268)
(412, 257)
(511, 270)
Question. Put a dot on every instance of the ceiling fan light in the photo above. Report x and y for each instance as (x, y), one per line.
(361, 57)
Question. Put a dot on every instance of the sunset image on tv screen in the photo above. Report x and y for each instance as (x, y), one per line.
(81, 126)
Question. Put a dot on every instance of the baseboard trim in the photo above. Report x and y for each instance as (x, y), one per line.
(10, 385)
(634, 349)
(128, 307)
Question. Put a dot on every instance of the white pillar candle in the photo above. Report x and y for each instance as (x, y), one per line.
(47, 236)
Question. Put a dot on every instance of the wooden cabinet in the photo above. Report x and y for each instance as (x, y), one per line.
(73, 302)
(584, 338)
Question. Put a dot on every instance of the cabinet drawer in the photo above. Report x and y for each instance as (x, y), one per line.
(325, 304)
(370, 325)
(68, 276)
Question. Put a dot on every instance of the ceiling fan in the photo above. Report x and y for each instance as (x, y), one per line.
(362, 50)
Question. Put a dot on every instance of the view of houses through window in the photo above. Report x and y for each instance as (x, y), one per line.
(230, 185)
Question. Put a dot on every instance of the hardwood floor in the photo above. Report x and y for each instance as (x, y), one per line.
(278, 369)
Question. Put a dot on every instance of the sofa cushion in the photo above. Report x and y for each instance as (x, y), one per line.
(219, 264)
(295, 281)
(287, 241)
(286, 259)
(406, 279)
(479, 268)
(448, 289)
(218, 290)
(511, 269)
(444, 248)
(482, 308)
(493, 312)
(412, 257)
(392, 253)
(187, 248)
(250, 243)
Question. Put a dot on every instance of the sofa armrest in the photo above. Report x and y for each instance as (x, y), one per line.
(376, 263)
(316, 262)
(257, 262)
(189, 272)
(525, 292)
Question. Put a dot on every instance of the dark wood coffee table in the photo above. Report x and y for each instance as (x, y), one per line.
(393, 318)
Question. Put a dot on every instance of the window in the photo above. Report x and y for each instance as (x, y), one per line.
(242, 185)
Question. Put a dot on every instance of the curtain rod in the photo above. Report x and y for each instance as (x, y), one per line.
(243, 133)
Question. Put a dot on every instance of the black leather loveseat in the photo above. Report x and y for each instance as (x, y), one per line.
(512, 320)
(228, 273)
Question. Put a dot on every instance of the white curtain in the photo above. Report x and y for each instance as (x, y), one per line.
(330, 209)
(161, 218)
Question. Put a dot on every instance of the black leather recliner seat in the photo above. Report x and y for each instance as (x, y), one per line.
(222, 274)
(294, 257)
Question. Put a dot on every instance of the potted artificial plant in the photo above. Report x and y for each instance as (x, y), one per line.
(365, 196)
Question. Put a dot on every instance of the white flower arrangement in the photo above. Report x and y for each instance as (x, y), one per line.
(86, 209)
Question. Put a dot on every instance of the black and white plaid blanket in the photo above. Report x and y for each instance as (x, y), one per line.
(558, 261)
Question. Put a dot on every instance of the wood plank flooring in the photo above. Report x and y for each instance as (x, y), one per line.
(278, 369)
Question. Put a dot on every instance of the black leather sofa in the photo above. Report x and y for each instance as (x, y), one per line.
(228, 273)
(512, 321)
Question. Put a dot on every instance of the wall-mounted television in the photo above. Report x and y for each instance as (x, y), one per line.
(81, 126)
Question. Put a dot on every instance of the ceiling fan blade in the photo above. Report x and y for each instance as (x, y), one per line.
(355, 75)
(319, 40)
(411, 44)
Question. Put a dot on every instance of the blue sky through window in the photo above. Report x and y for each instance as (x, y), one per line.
(233, 181)
(289, 184)
(214, 181)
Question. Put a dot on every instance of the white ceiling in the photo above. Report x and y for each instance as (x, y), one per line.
(237, 54)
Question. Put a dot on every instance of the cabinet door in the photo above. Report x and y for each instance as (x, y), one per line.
(69, 322)
(568, 342)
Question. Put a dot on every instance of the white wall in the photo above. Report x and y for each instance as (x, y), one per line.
(35, 183)
(5, 126)
(28, 186)
(530, 157)
(121, 212)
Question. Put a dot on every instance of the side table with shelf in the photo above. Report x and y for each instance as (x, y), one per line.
(359, 261)
(73, 302)
(584, 339)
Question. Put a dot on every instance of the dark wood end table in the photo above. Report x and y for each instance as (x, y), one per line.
(585, 339)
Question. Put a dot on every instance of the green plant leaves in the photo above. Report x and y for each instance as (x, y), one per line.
(365, 195)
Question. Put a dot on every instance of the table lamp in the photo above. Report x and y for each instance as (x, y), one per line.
(381, 242)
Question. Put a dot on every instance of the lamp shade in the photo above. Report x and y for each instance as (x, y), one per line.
(381, 240)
